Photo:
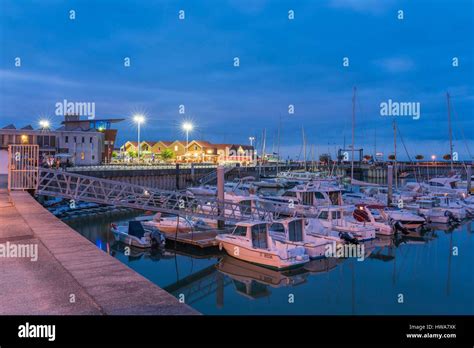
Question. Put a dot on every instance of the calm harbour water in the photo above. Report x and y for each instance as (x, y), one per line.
(421, 267)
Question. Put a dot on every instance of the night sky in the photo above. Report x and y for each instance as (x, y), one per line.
(282, 62)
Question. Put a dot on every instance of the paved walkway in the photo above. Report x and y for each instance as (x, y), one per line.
(71, 275)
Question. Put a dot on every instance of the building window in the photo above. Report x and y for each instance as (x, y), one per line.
(93, 157)
(195, 147)
(83, 140)
(75, 140)
(90, 140)
(66, 139)
(176, 147)
(82, 156)
(24, 139)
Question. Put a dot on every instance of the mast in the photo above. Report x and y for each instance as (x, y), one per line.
(395, 151)
(353, 127)
(304, 147)
(278, 146)
(450, 130)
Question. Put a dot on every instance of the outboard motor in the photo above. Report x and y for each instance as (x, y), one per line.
(451, 216)
(399, 228)
(346, 236)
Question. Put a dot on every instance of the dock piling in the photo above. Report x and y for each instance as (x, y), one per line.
(390, 184)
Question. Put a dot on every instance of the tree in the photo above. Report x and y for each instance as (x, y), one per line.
(325, 158)
(368, 157)
(132, 153)
(391, 157)
(114, 154)
(447, 157)
(166, 154)
(419, 157)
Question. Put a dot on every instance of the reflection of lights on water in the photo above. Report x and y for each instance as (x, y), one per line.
(98, 243)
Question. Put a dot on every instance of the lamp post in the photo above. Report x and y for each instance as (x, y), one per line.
(187, 127)
(433, 158)
(251, 140)
(44, 124)
(139, 119)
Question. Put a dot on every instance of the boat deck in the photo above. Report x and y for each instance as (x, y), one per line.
(200, 239)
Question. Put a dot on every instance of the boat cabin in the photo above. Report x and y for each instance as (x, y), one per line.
(315, 195)
(288, 229)
(255, 232)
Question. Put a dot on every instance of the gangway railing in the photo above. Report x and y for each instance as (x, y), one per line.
(213, 175)
(79, 187)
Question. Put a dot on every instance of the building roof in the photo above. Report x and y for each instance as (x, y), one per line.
(10, 126)
(28, 127)
(111, 120)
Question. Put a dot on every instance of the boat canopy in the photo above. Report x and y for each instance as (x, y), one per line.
(135, 228)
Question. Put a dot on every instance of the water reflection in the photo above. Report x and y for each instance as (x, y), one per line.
(421, 265)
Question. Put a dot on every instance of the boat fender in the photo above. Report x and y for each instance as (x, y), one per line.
(220, 246)
(398, 227)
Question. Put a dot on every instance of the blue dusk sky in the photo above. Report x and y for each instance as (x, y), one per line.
(282, 62)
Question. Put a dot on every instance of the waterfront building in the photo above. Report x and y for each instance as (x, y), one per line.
(76, 142)
(196, 151)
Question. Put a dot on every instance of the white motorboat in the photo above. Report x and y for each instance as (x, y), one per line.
(170, 224)
(375, 216)
(404, 219)
(250, 241)
(430, 209)
(356, 198)
(292, 231)
(452, 205)
(136, 235)
(444, 185)
(333, 218)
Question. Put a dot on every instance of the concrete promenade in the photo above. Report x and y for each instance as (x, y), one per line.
(71, 275)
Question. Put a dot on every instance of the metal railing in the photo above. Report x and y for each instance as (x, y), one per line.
(79, 187)
(213, 175)
(110, 167)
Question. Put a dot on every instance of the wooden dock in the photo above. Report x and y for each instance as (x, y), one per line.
(200, 239)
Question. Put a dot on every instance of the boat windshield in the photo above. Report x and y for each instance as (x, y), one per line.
(277, 227)
(240, 231)
(295, 231)
(334, 197)
(259, 236)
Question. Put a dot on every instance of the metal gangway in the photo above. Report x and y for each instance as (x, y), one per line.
(213, 175)
(25, 174)
(79, 187)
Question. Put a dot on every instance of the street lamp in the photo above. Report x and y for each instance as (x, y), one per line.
(138, 119)
(251, 140)
(433, 158)
(187, 127)
(44, 124)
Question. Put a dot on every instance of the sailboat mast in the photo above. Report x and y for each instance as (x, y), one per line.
(278, 146)
(304, 147)
(450, 130)
(395, 152)
(353, 133)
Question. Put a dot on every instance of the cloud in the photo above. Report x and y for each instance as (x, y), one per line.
(395, 64)
(374, 7)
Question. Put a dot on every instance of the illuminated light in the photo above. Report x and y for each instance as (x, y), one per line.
(187, 126)
(139, 118)
(433, 157)
(44, 123)
(24, 139)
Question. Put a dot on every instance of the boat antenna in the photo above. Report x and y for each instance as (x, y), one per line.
(450, 131)
(353, 134)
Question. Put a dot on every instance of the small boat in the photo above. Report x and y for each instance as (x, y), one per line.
(333, 218)
(136, 235)
(375, 216)
(251, 241)
(170, 224)
(430, 209)
(447, 185)
(292, 231)
(405, 220)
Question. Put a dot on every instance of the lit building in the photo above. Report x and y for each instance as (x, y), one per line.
(75, 147)
(197, 151)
